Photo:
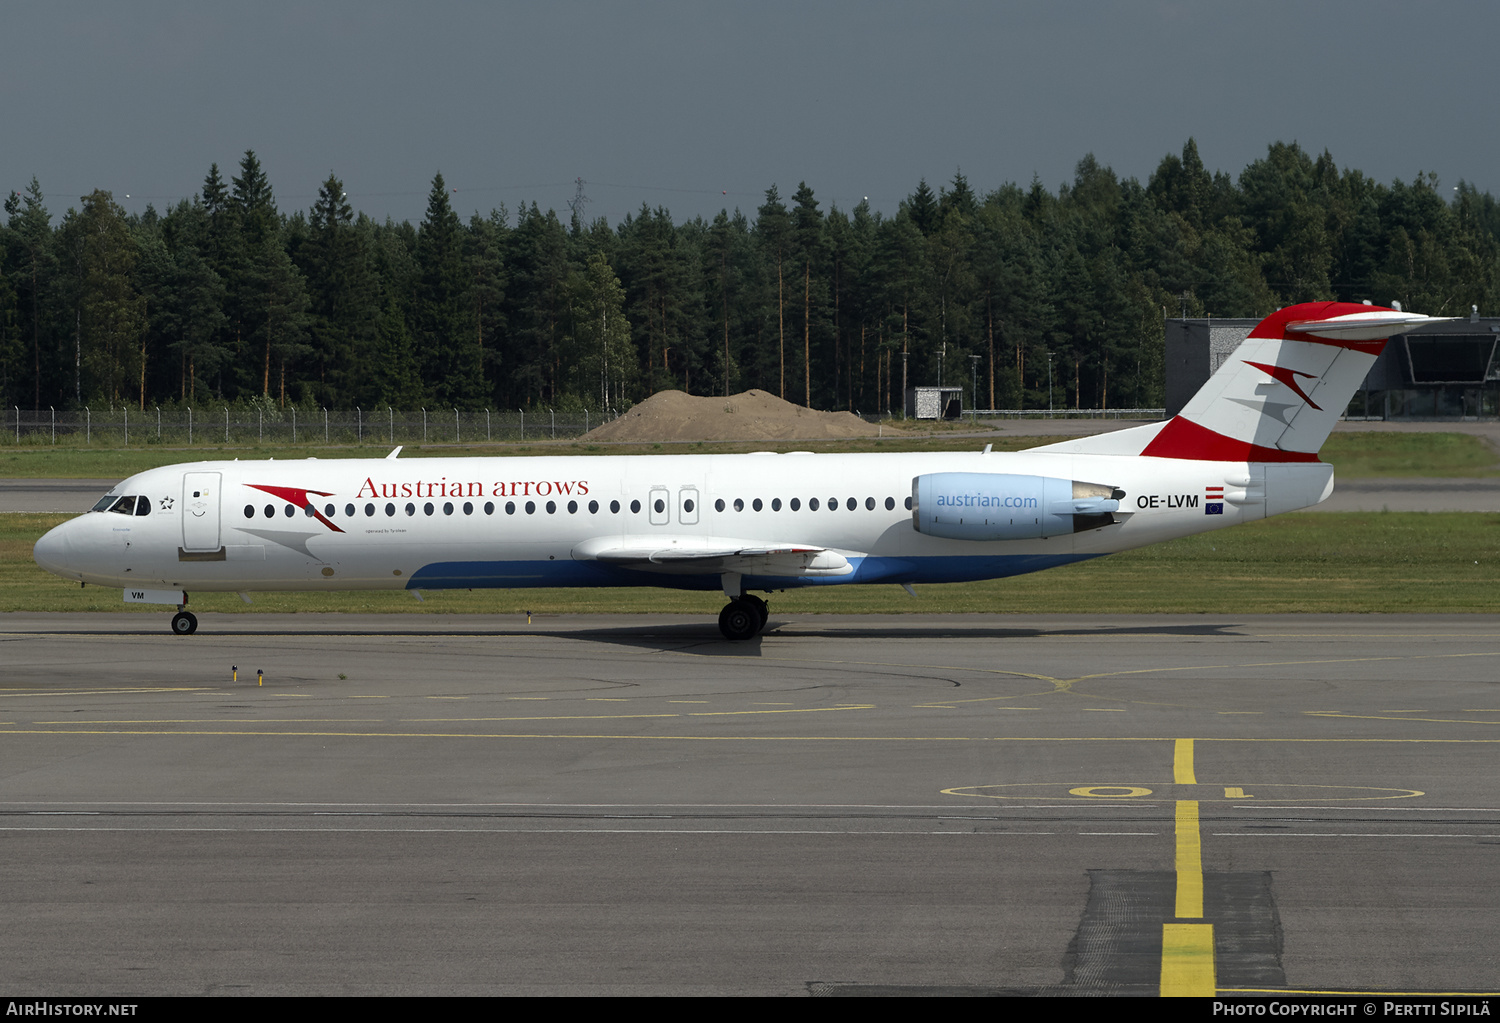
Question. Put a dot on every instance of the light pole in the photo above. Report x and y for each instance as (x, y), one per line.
(1049, 381)
(974, 363)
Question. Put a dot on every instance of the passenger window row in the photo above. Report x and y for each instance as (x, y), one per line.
(813, 504)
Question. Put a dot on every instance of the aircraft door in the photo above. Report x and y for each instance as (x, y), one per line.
(659, 505)
(687, 506)
(200, 511)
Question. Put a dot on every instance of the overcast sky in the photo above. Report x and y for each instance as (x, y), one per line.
(697, 106)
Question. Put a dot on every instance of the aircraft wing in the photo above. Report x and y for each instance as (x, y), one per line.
(711, 556)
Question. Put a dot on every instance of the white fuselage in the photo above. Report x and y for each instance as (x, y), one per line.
(433, 523)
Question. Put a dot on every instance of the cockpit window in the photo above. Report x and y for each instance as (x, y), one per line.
(104, 502)
(130, 504)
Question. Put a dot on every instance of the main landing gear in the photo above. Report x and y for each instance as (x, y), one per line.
(743, 617)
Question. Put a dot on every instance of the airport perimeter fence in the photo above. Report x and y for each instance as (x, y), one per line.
(1067, 413)
(1004, 414)
(237, 424)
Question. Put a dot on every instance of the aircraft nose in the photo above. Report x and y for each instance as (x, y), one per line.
(54, 552)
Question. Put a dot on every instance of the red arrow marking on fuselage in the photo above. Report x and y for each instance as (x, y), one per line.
(298, 497)
(1287, 376)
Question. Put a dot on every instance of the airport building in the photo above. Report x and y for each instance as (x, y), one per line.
(1439, 371)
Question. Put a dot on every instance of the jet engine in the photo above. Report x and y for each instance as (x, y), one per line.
(1003, 506)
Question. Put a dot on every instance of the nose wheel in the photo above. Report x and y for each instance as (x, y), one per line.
(184, 623)
(743, 617)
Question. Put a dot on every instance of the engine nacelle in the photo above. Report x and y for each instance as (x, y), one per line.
(1002, 506)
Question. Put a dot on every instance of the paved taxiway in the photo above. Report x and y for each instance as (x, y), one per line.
(627, 804)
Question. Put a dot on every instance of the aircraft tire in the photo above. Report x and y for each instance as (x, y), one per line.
(184, 623)
(760, 607)
(739, 620)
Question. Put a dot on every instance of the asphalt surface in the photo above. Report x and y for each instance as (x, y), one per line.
(847, 805)
(51, 495)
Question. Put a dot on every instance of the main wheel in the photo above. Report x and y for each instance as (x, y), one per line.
(184, 623)
(760, 607)
(739, 620)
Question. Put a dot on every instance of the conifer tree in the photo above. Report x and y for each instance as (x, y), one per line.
(772, 231)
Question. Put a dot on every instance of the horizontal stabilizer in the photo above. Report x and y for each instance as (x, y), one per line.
(1371, 325)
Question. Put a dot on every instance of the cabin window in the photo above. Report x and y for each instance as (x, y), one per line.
(812, 504)
(776, 504)
(271, 511)
(688, 505)
(572, 507)
(489, 507)
(530, 507)
(348, 510)
(719, 504)
(635, 507)
(869, 504)
(447, 507)
(833, 504)
(593, 507)
(468, 507)
(390, 510)
(890, 504)
(739, 504)
(369, 509)
(756, 504)
(908, 504)
(551, 507)
(510, 507)
(249, 511)
(795, 505)
(411, 509)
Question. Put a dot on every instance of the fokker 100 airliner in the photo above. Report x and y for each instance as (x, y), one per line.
(1245, 447)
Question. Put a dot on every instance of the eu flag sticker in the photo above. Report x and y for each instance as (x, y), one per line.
(1213, 500)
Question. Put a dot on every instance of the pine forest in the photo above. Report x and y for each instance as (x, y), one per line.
(225, 297)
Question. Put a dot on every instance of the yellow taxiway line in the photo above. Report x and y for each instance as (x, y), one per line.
(1187, 949)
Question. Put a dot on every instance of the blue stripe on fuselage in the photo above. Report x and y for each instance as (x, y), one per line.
(457, 575)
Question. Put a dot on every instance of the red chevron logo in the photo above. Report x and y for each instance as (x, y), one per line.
(298, 496)
(1286, 376)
